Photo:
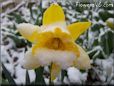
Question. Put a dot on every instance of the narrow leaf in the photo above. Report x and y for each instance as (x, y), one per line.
(8, 75)
(63, 74)
(27, 78)
(39, 76)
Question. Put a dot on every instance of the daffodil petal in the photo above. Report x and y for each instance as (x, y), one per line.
(55, 70)
(53, 14)
(82, 62)
(28, 31)
(29, 61)
(71, 46)
(76, 29)
(45, 56)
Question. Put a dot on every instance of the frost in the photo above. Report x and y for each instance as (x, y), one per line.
(86, 12)
(5, 3)
(10, 68)
(5, 55)
(75, 76)
(110, 11)
(25, 13)
(11, 43)
(95, 14)
(20, 74)
(32, 75)
(45, 4)
(107, 67)
(101, 22)
(110, 20)
(46, 80)
(66, 81)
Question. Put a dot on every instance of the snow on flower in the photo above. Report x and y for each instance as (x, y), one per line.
(54, 42)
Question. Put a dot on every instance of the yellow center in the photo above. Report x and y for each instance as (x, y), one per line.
(55, 43)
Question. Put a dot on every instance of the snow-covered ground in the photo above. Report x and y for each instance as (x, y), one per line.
(11, 54)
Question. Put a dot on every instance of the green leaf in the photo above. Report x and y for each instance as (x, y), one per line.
(39, 76)
(8, 75)
(83, 20)
(107, 42)
(40, 14)
(4, 82)
(96, 27)
(96, 54)
(104, 15)
(37, 22)
(95, 43)
(30, 8)
(63, 74)
(27, 78)
(18, 18)
(19, 42)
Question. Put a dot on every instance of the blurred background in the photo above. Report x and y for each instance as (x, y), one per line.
(98, 40)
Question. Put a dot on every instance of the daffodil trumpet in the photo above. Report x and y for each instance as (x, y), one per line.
(54, 42)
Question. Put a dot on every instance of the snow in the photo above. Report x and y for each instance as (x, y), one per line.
(111, 11)
(5, 54)
(45, 4)
(95, 14)
(48, 56)
(20, 74)
(57, 81)
(10, 68)
(101, 22)
(71, 18)
(71, 12)
(75, 76)
(84, 77)
(110, 20)
(8, 11)
(6, 22)
(32, 75)
(66, 81)
(107, 67)
(70, 8)
(11, 43)
(26, 13)
(46, 68)
(112, 82)
(27, 29)
(6, 3)
(46, 80)
(86, 12)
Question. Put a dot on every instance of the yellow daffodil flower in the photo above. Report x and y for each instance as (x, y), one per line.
(54, 42)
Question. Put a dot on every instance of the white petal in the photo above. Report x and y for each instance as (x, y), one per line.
(82, 62)
(29, 61)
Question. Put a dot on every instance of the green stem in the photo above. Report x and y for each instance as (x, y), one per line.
(63, 74)
(39, 76)
(107, 46)
(27, 78)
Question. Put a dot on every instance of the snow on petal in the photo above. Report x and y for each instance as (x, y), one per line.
(29, 61)
(83, 62)
(28, 31)
(62, 58)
